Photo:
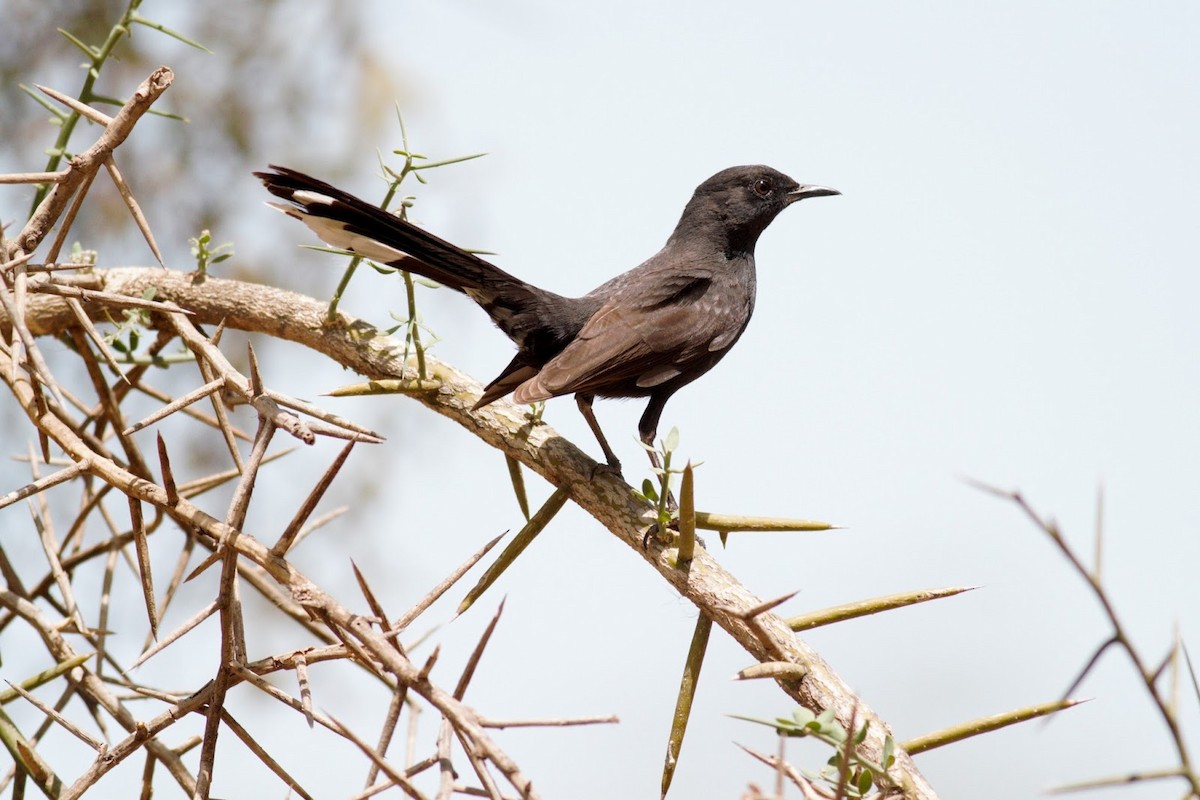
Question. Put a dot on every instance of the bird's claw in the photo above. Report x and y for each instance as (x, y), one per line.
(656, 531)
(611, 468)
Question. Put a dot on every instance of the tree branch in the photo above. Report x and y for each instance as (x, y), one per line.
(360, 346)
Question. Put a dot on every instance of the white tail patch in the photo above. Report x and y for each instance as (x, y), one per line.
(334, 233)
(291, 211)
(305, 197)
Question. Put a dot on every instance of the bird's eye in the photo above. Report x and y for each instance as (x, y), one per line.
(762, 187)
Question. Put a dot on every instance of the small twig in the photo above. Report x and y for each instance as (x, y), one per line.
(536, 524)
(687, 516)
(142, 547)
(1119, 636)
(478, 764)
(236, 382)
(263, 755)
(288, 537)
(305, 688)
(175, 635)
(164, 466)
(36, 364)
(68, 219)
(774, 763)
(46, 676)
(222, 413)
(860, 608)
(134, 209)
(83, 109)
(395, 775)
(325, 416)
(611, 719)
(776, 670)
(766, 605)
(686, 696)
(446, 766)
(176, 405)
(318, 523)
(730, 523)
(469, 670)
(247, 674)
(978, 726)
(847, 754)
(71, 727)
(42, 484)
(32, 177)
(61, 579)
(108, 298)
(1145, 776)
(200, 416)
(85, 164)
(436, 592)
(94, 334)
(517, 478)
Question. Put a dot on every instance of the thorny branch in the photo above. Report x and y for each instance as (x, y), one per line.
(83, 434)
(360, 347)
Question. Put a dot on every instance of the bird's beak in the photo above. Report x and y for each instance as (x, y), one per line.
(801, 192)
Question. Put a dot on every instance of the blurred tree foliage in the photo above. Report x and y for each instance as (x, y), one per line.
(286, 81)
(289, 80)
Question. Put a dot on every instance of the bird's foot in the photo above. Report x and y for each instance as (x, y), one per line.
(613, 468)
(665, 536)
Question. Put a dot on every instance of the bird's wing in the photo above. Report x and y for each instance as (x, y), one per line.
(644, 340)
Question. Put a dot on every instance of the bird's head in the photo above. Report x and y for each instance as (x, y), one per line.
(738, 203)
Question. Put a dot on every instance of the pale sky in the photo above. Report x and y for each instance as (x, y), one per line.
(1006, 291)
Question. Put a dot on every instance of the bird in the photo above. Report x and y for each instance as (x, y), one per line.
(646, 333)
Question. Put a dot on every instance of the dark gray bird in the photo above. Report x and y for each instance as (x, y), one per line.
(645, 333)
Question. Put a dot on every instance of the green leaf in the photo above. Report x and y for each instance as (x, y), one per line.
(155, 112)
(87, 49)
(59, 114)
(139, 19)
(103, 99)
(865, 781)
(672, 440)
(648, 490)
(445, 162)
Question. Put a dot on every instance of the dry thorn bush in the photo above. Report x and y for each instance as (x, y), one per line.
(77, 401)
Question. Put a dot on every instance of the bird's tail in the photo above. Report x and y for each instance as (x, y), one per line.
(345, 221)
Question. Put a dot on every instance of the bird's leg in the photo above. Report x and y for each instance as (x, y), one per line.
(647, 438)
(584, 401)
(647, 430)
